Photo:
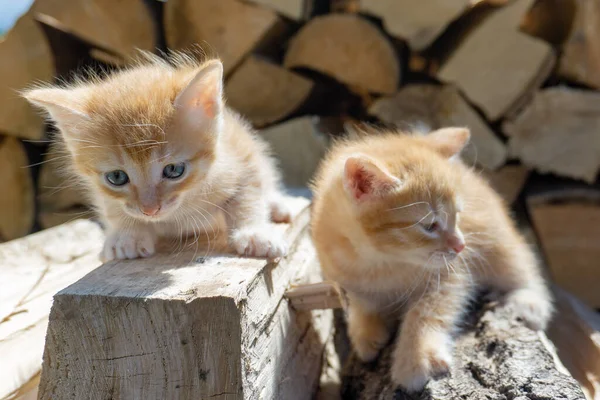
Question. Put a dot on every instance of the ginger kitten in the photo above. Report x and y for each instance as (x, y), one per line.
(162, 156)
(410, 232)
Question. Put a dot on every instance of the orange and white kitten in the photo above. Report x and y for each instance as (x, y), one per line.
(411, 233)
(161, 155)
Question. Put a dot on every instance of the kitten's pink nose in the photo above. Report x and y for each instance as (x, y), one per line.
(150, 210)
(456, 243)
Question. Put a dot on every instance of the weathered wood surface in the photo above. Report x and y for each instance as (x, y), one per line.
(508, 181)
(417, 22)
(558, 132)
(185, 326)
(32, 270)
(121, 27)
(264, 92)
(229, 29)
(496, 357)
(298, 145)
(567, 224)
(496, 66)
(355, 53)
(298, 10)
(25, 57)
(438, 107)
(17, 202)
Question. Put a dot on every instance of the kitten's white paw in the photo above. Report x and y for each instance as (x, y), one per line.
(532, 306)
(413, 368)
(258, 242)
(121, 246)
(280, 212)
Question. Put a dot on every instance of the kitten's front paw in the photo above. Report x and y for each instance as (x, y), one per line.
(533, 307)
(368, 340)
(121, 246)
(258, 242)
(280, 212)
(413, 368)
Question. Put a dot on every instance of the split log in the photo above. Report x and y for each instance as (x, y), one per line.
(121, 27)
(355, 53)
(25, 57)
(37, 267)
(495, 357)
(298, 10)
(550, 20)
(417, 22)
(496, 66)
(567, 224)
(575, 331)
(437, 107)
(298, 145)
(264, 92)
(60, 196)
(229, 29)
(181, 326)
(508, 181)
(580, 60)
(17, 201)
(558, 133)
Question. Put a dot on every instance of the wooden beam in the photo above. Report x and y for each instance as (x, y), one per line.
(437, 107)
(17, 202)
(38, 266)
(229, 29)
(186, 325)
(25, 58)
(417, 22)
(355, 53)
(558, 132)
(499, 78)
(265, 92)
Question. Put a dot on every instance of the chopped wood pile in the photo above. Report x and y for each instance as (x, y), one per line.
(523, 75)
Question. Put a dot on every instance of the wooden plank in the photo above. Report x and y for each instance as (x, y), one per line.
(438, 107)
(508, 181)
(182, 326)
(37, 267)
(264, 92)
(569, 233)
(355, 53)
(121, 27)
(558, 132)
(229, 29)
(417, 22)
(499, 78)
(299, 146)
(25, 58)
(17, 206)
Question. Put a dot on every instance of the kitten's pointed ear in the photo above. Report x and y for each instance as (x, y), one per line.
(364, 179)
(64, 106)
(449, 141)
(202, 98)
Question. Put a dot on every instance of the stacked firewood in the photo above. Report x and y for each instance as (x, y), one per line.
(522, 75)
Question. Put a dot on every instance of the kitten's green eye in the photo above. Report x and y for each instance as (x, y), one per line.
(117, 177)
(174, 171)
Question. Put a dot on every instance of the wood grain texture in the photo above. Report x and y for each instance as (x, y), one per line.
(37, 267)
(119, 26)
(496, 66)
(229, 29)
(437, 107)
(17, 202)
(264, 92)
(355, 52)
(558, 132)
(25, 58)
(496, 357)
(184, 326)
(417, 22)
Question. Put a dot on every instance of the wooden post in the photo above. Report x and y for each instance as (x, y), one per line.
(184, 326)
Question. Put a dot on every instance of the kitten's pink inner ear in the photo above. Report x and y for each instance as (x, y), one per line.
(205, 92)
(449, 141)
(364, 179)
